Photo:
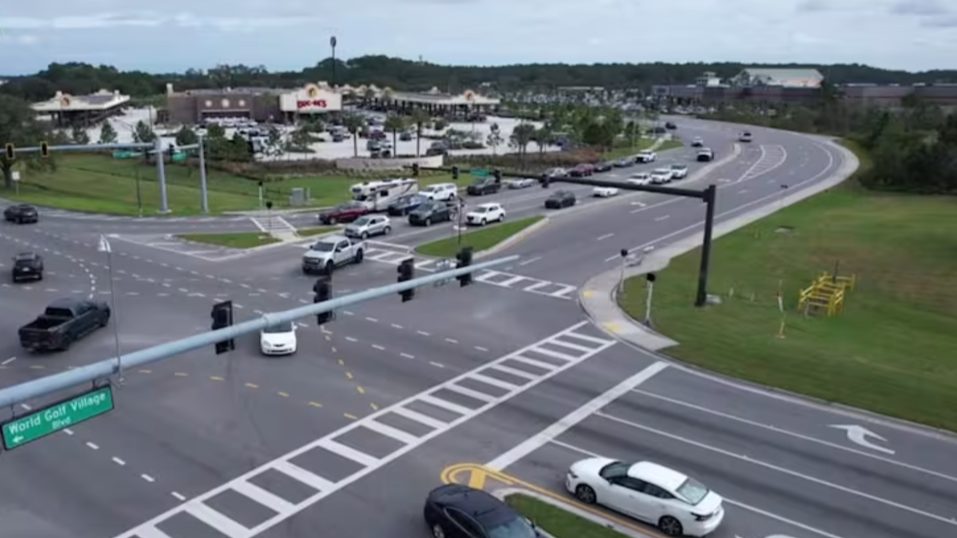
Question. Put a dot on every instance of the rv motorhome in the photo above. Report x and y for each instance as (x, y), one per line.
(377, 195)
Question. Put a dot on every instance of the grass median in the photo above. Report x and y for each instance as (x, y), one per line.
(557, 521)
(312, 232)
(642, 144)
(890, 351)
(479, 239)
(239, 240)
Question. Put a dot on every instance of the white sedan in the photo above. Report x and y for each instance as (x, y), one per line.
(662, 175)
(279, 339)
(604, 192)
(641, 178)
(522, 183)
(485, 213)
(676, 504)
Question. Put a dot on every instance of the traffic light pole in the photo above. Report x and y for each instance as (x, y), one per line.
(48, 385)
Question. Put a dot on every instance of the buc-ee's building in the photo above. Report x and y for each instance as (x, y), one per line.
(260, 104)
(65, 110)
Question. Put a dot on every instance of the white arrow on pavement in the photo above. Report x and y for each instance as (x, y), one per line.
(639, 204)
(859, 434)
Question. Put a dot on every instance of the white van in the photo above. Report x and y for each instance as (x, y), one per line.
(440, 192)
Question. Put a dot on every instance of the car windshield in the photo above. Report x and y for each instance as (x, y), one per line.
(517, 527)
(280, 328)
(678, 167)
(362, 221)
(693, 491)
(322, 247)
(26, 257)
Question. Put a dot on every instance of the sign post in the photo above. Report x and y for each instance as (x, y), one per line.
(56, 417)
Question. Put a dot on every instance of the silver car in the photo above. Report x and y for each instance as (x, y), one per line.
(369, 225)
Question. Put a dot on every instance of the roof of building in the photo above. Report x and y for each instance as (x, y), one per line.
(62, 102)
(783, 74)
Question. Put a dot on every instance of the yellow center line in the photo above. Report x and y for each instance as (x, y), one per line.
(342, 362)
(216, 378)
(349, 416)
(334, 350)
(361, 390)
(283, 394)
(37, 367)
(315, 404)
(349, 375)
(373, 406)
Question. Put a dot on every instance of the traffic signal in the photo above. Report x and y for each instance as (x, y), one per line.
(323, 292)
(44, 149)
(455, 173)
(415, 169)
(546, 180)
(11, 152)
(406, 271)
(464, 258)
(171, 149)
(222, 315)
(498, 175)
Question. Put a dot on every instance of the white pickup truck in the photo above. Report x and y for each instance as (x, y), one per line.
(330, 252)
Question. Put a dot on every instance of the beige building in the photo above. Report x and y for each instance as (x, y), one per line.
(84, 110)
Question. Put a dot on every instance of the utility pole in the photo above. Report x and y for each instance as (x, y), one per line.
(202, 177)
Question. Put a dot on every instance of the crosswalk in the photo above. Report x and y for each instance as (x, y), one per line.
(291, 483)
(486, 276)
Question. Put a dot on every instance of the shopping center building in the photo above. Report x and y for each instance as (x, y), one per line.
(260, 104)
(84, 110)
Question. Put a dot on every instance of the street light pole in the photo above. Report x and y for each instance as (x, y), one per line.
(332, 44)
(104, 246)
(202, 176)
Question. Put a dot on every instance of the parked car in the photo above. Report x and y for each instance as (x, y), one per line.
(346, 212)
(62, 323)
(27, 266)
(405, 204)
(369, 225)
(459, 511)
(21, 214)
(486, 213)
(483, 185)
(280, 339)
(331, 252)
(560, 199)
(430, 213)
(582, 170)
(677, 504)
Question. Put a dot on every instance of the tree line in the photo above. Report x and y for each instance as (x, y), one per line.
(912, 150)
(79, 78)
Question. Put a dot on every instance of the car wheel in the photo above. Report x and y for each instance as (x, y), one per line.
(360, 255)
(330, 267)
(437, 531)
(387, 230)
(501, 217)
(586, 494)
(484, 222)
(670, 526)
(428, 221)
(364, 236)
(333, 221)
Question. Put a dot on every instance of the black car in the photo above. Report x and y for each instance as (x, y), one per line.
(624, 162)
(484, 185)
(670, 126)
(457, 511)
(560, 199)
(21, 214)
(429, 213)
(405, 204)
(604, 166)
(27, 266)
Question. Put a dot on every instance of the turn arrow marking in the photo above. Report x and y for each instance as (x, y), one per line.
(859, 434)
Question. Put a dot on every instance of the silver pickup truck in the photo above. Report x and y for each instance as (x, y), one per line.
(330, 252)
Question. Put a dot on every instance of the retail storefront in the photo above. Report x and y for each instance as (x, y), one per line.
(311, 99)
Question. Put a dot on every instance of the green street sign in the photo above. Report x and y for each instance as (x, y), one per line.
(125, 155)
(179, 157)
(478, 172)
(56, 417)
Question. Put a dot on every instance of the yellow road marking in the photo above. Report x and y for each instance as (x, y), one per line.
(588, 293)
(613, 327)
(283, 394)
(315, 404)
(37, 367)
(334, 350)
(252, 386)
(349, 375)
(342, 362)
(216, 378)
(374, 406)
(350, 416)
(361, 390)
(181, 374)
(478, 475)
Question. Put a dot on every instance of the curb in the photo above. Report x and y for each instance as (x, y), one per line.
(504, 493)
(513, 240)
(244, 251)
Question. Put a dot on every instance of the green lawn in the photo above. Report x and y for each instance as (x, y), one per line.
(101, 184)
(642, 143)
(309, 232)
(556, 521)
(480, 239)
(232, 240)
(891, 351)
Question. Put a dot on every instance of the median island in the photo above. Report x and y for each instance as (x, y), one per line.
(479, 239)
(879, 336)
(239, 240)
(557, 521)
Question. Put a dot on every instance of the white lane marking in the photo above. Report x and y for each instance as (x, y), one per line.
(8, 361)
(480, 348)
(351, 339)
(570, 420)
(396, 326)
(373, 320)
(661, 218)
(377, 346)
(796, 435)
(178, 496)
(779, 469)
(148, 478)
(529, 261)
(437, 364)
(68, 431)
(451, 341)
(423, 333)
(742, 505)
(406, 355)
(606, 236)
(93, 446)
(118, 461)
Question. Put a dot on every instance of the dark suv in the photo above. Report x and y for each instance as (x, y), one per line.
(485, 185)
(21, 214)
(27, 266)
(430, 212)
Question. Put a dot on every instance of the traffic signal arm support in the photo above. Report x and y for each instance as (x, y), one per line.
(30, 390)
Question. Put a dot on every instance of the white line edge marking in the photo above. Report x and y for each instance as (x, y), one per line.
(269, 523)
(778, 468)
(748, 507)
(795, 435)
(541, 438)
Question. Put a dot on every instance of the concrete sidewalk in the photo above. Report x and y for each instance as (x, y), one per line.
(598, 297)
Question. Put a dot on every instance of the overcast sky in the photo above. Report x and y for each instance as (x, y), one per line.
(290, 34)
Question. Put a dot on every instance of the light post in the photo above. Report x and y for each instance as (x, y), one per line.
(650, 277)
(332, 45)
(104, 246)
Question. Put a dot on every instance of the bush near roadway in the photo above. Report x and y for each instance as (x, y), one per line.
(893, 348)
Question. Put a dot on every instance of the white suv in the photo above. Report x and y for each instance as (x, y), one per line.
(641, 178)
(486, 213)
(440, 192)
(646, 156)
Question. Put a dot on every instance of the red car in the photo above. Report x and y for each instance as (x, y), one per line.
(347, 212)
(583, 170)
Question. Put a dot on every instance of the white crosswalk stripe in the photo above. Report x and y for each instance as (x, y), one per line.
(487, 387)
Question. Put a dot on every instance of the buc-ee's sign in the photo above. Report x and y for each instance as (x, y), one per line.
(312, 103)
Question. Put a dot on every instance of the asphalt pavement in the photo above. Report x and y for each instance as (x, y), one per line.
(285, 446)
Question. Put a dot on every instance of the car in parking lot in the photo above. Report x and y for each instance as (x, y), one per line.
(661, 175)
(679, 171)
(279, 339)
(429, 213)
(583, 170)
(604, 192)
(560, 199)
(346, 212)
(21, 214)
(675, 503)
(640, 178)
(27, 266)
(369, 225)
(459, 511)
(485, 213)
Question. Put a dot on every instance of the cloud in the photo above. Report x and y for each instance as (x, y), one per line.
(115, 20)
(940, 22)
(813, 6)
(921, 8)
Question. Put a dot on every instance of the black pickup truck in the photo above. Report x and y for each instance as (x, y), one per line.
(63, 322)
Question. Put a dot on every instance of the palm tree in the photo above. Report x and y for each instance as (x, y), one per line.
(419, 118)
(354, 123)
(521, 136)
(393, 124)
(543, 137)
